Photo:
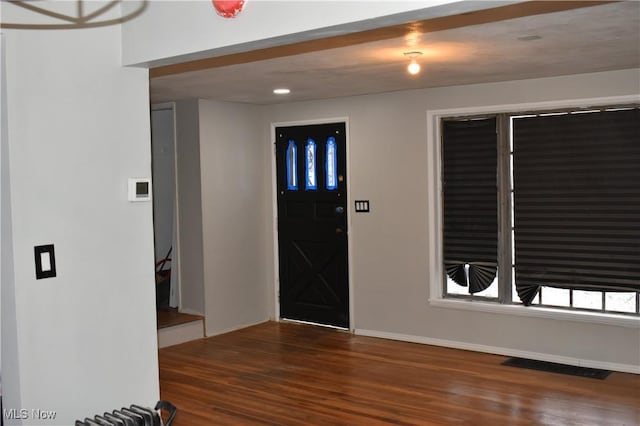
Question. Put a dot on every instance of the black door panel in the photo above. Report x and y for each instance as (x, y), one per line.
(312, 224)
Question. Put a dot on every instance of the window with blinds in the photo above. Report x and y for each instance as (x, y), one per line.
(470, 202)
(572, 202)
(576, 180)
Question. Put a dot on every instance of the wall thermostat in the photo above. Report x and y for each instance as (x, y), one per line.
(139, 189)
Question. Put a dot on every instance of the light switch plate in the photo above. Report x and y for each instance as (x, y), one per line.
(45, 261)
(362, 206)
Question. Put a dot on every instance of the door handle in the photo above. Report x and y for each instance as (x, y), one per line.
(339, 231)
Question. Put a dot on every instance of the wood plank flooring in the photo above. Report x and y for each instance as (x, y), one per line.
(293, 374)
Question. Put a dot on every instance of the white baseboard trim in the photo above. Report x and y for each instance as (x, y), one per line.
(625, 368)
(181, 333)
(234, 328)
(191, 312)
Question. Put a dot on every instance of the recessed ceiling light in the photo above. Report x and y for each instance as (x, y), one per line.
(281, 91)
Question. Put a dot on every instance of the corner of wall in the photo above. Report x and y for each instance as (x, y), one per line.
(10, 377)
(188, 175)
(233, 170)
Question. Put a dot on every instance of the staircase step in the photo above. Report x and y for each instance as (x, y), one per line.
(180, 333)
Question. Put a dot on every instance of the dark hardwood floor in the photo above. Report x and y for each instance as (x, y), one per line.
(292, 374)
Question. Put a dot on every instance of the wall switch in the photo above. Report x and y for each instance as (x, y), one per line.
(362, 206)
(45, 261)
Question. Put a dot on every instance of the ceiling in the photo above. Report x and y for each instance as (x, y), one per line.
(590, 39)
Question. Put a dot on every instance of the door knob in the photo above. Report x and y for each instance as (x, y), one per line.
(339, 231)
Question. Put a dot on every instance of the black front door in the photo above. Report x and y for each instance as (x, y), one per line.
(312, 223)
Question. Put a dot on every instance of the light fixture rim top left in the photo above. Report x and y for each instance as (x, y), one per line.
(413, 54)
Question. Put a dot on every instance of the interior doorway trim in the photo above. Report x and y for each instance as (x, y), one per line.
(274, 206)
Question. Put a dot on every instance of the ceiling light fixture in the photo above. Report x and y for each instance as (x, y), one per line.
(228, 8)
(281, 91)
(529, 38)
(414, 67)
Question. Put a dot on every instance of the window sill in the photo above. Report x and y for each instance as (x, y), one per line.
(538, 312)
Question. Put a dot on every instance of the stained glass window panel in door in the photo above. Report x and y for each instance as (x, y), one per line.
(310, 165)
(292, 168)
(331, 164)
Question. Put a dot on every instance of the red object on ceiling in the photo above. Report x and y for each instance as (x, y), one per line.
(228, 8)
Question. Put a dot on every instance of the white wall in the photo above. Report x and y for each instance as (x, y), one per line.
(389, 246)
(221, 172)
(8, 327)
(5, 240)
(163, 160)
(175, 31)
(234, 206)
(163, 149)
(78, 127)
(189, 207)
